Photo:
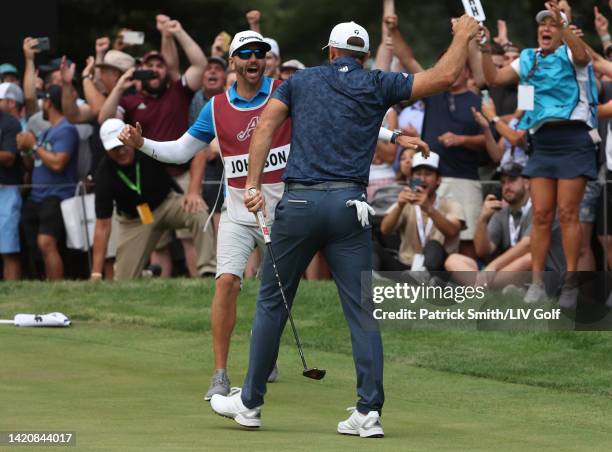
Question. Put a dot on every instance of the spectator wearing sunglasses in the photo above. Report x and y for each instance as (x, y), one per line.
(564, 155)
(231, 117)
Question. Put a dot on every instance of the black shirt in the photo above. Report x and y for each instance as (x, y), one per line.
(505, 99)
(9, 128)
(452, 113)
(154, 180)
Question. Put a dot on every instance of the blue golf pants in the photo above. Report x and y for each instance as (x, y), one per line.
(308, 220)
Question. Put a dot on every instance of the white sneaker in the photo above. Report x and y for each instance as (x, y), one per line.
(366, 426)
(231, 406)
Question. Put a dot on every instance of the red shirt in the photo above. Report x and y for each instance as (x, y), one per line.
(163, 118)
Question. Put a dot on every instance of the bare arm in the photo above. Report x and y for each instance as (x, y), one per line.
(605, 111)
(100, 244)
(475, 63)
(401, 49)
(495, 149)
(447, 69)
(512, 254)
(70, 109)
(271, 119)
(253, 18)
(384, 53)
(390, 221)
(387, 151)
(56, 161)
(482, 244)
(29, 76)
(109, 108)
(194, 53)
(168, 47)
(7, 158)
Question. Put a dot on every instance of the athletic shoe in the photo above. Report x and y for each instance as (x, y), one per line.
(231, 406)
(274, 374)
(219, 384)
(568, 299)
(609, 301)
(514, 291)
(535, 294)
(366, 426)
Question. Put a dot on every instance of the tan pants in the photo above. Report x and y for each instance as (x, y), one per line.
(137, 241)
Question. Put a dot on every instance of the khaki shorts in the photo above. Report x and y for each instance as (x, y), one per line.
(468, 193)
(166, 238)
(235, 243)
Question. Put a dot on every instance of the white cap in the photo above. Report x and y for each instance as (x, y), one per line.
(110, 130)
(293, 64)
(273, 46)
(432, 161)
(545, 13)
(247, 37)
(343, 32)
(11, 91)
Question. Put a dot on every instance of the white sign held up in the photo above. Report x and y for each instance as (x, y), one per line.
(474, 8)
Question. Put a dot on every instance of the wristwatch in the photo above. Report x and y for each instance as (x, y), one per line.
(495, 120)
(396, 133)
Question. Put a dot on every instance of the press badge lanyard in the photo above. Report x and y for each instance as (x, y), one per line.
(144, 211)
(515, 229)
(424, 230)
(129, 183)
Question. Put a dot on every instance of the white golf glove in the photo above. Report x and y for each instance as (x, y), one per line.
(363, 209)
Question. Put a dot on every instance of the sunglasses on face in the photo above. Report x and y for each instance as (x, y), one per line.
(245, 54)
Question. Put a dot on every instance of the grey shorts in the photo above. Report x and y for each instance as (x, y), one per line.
(235, 243)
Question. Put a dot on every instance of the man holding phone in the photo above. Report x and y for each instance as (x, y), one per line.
(162, 109)
(428, 224)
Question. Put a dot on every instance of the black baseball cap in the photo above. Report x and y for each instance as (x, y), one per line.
(54, 94)
(512, 169)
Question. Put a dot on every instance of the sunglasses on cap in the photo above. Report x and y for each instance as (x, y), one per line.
(245, 54)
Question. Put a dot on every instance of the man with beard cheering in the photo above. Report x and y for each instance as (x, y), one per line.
(231, 117)
(162, 108)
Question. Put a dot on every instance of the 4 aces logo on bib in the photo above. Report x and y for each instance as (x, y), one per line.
(245, 134)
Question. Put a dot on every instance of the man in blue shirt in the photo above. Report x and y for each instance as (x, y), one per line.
(54, 176)
(336, 111)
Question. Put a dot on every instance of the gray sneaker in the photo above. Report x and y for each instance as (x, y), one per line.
(569, 297)
(219, 384)
(274, 374)
(535, 294)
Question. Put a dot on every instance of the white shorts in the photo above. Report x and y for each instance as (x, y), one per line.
(235, 243)
(468, 193)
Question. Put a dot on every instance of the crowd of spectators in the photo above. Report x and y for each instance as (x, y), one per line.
(446, 212)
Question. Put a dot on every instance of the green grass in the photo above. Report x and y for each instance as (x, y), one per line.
(130, 374)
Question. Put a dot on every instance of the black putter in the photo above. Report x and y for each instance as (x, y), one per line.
(308, 372)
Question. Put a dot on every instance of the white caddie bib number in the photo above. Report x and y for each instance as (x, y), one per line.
(474, 8)
(238, 165)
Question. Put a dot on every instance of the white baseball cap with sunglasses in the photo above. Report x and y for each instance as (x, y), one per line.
(245, 38)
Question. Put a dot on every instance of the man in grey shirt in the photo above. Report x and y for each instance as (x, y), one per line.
(502, 236)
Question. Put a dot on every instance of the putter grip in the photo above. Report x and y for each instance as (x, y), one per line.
(261, 220)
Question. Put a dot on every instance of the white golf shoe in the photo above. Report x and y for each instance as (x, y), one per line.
(366, 426)
(231, 406)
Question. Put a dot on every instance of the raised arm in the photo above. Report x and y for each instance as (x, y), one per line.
(109, 109)
(447, 69)
(580, 54)
(70, 109)
(29, 76)
(194, 53)
(95, 99)
(253, 17)
(168, 47)
(401, 49)
(384, 53)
